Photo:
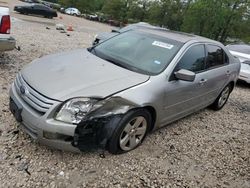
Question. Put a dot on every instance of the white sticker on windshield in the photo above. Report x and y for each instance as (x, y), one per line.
(157, 62)
(163, 45)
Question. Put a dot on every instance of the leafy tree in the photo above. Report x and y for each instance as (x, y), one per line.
(113, 8)
(215, 19)
(168, 13)
(138, 10)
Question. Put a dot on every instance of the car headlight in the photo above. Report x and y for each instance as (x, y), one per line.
(74, 110)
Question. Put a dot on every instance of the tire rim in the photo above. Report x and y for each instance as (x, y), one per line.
(223, 97)
(133, 133)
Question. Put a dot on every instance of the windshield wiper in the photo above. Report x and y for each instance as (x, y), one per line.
(92, 49)
(116, 63)
(131, 68)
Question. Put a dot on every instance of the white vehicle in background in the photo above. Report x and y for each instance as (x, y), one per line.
(73, 11)
(6, 41)
(242, 51)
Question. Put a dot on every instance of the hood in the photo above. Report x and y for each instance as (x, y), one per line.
(78, 73)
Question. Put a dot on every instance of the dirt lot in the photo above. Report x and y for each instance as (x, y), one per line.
(207, 149)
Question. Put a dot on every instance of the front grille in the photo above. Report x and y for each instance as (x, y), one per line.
(34, 99)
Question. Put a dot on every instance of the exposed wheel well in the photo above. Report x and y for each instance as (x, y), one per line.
(152, 111)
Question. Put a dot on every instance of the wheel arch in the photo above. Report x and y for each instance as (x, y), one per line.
(152, 112)
(232, 85)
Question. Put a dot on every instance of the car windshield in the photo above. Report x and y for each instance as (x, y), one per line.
(139, 51)
(242, 48)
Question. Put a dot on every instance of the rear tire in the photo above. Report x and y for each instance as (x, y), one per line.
(130, 131)
(221, 100)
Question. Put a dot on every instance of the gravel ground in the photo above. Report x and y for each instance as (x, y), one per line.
(207, 149)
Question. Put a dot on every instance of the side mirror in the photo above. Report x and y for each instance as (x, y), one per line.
(185, 75)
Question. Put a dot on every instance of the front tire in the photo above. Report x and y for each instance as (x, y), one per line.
(130, 131)
(221, 100)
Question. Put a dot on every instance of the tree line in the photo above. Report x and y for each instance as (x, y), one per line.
(220, 20)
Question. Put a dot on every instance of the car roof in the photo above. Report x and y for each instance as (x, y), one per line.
(175, 35)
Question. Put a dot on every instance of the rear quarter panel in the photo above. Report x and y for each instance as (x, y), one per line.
(234, 66)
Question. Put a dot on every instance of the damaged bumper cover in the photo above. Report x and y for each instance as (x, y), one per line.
(91, 133)
(98, 126)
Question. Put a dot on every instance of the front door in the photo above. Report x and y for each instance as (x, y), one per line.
(183, 97)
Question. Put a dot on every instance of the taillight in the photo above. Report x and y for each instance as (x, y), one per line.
(5, 25)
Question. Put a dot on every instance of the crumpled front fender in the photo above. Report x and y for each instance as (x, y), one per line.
(98, 126)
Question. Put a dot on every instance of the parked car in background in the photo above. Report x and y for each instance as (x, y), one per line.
(115, 23)
(36, 9)
(62, 10)
(106, 35)
(242, 51)
(102, 17)
(73, 11)
(92, 17)
(29, 1)
(111, 95)
(6, 41)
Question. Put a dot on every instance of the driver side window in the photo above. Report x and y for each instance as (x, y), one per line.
(193, 60)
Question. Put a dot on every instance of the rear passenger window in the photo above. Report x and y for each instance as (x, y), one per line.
(215, 57)
(193, 59)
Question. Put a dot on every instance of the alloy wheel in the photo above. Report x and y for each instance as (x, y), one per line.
(224, 96)
(133, 133)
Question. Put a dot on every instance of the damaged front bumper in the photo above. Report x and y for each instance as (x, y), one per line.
(92, 133)
(42, 129)
(95, 134)
(99, 125)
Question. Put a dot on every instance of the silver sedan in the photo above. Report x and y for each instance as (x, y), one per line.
(113, 94)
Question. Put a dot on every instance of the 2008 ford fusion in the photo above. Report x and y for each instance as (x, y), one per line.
(113, 94)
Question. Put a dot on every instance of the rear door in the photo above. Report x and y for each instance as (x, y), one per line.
(32, 9)
(217, 70)
(45, 11)
(39, 10)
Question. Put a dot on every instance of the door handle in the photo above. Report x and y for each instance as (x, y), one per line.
(202, 81)
(228, 73)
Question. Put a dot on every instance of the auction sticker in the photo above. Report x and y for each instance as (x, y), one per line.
(163, 45)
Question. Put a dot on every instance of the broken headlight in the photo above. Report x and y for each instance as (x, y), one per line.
(74, 110)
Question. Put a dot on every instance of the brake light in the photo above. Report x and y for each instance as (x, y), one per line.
(5, 25)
